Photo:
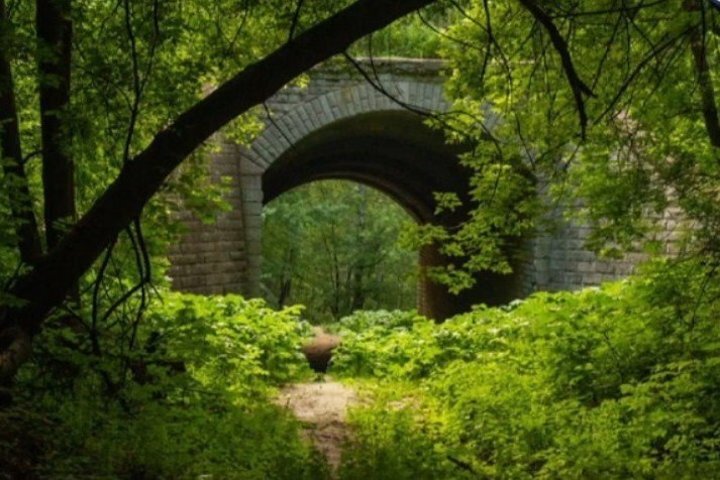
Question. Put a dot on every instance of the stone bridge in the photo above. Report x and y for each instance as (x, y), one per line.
(339, 126)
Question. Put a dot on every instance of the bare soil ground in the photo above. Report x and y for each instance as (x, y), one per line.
(321, 407)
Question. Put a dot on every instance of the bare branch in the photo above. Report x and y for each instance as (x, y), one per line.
(296, 19)
(138, 81)
(652, 55)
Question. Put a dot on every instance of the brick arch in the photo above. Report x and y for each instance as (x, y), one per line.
(391, 150)
(284, 132)
(343, 128)
(359, 133)
(335, 97)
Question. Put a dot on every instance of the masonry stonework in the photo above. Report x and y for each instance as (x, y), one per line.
(312, 132)
(213, 258)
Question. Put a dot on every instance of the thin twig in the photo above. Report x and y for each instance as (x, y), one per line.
(578, 87)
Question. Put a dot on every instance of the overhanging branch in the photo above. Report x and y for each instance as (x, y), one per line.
(47, 284)
(578, 87)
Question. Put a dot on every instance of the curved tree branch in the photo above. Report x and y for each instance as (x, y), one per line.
(43, 288)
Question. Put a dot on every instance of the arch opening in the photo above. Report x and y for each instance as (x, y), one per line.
(393, 151)
(335, 247)
(396, 153)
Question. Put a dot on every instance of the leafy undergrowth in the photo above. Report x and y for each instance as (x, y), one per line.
(193, 403)
(612, 383)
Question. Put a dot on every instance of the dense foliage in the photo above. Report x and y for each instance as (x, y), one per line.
(335, 247)
(607, 106)
(193, 400)
(614, 383)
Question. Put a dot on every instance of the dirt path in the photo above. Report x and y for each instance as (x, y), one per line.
(322, 407)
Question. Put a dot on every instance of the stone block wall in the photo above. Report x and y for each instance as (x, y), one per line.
(560, 260)
(212, 258)
(226, 256)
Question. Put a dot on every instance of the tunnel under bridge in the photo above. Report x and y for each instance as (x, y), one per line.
(339, 126)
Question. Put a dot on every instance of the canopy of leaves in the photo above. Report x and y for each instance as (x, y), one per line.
(606, 108)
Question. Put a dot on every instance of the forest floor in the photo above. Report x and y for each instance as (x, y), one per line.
(322, 405)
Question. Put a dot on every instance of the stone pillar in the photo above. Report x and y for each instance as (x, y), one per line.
(434, 301)
(252, 207)
(211, 258)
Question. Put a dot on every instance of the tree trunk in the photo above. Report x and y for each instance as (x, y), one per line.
(54, 33)
(48, 283)
(704, 76)
(361, 267)
(29, 243)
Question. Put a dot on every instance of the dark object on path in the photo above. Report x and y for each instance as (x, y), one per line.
(319, 351)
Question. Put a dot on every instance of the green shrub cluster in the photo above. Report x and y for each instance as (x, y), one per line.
(614, 383)
(231, 342)
(192, 401)
(384, 344)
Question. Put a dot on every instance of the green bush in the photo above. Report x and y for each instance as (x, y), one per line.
(383, 344)
(613, 383)
(192, 399)
(183, 440)
(361, 321)
(231, 342)
(394, 444)
(616, 382)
